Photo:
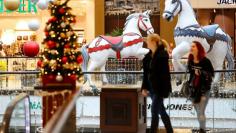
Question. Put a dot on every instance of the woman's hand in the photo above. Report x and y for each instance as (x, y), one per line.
(197, 72)
(145, 92)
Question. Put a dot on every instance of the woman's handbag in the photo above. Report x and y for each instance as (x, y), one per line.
(186, 88)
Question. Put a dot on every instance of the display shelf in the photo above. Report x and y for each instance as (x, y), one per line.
(18, 73)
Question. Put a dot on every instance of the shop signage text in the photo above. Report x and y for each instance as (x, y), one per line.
(35, 105)
(175, 106)
(23, 8)
(226, 2)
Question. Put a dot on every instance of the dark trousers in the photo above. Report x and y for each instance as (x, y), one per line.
(157, 109)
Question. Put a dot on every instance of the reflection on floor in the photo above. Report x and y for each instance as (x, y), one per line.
(87, 130)
(182, 131)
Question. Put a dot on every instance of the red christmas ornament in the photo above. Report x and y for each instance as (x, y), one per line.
(39, 63)
(62, 11)
(79, 59)
(51, 44)
(53, 19)
(46, 33)
(73, 20)
(50, 20)
(64, 60)
(73, 77)
(31, 48)
(67, 46)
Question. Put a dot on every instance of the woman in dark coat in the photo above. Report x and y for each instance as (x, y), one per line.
(201, 74)
(156, 80)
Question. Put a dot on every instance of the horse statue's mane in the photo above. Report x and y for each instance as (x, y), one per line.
(131, 16)
(192, 8)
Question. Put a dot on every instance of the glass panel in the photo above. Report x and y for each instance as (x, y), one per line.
(14, 85)
(87, 114)
(36, 112)
(20, 121)
(220, 111)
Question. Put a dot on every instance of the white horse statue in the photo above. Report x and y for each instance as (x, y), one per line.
(96, 53)
(214, 40)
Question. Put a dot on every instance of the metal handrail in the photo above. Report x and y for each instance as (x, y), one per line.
(141, 72)
(8, 113)
(22, 57)
(58, 120)
(20, 72)
(108, 72)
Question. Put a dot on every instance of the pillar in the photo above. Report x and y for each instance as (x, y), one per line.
(99, 17)
(166, 28)
(95, 16)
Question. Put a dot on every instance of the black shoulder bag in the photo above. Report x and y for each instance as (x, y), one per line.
(186, 87)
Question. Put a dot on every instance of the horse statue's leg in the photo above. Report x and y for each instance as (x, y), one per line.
(177, 53)
(230, 59)
(104, 77)
(92, 66)
(217, 57)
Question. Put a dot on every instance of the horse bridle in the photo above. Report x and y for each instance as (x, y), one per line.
(140, 19)
(179, 4)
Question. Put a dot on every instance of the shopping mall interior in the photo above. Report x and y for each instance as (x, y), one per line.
(62, 72)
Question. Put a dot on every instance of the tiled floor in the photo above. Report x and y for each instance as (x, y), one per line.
(182, 131)
(177, 131)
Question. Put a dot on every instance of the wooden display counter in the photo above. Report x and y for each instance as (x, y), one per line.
(122, 111)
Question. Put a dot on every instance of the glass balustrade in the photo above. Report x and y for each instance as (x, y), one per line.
(220, 111)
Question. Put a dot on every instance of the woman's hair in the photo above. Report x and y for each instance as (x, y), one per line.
(201, 51)
(156, 38)
(153, 37)
(1, 47)
(165, 44)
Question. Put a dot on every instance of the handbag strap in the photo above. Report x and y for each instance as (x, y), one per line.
(187, 70)
(185, 74)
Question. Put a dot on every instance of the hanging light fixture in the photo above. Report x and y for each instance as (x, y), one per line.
(8, 37)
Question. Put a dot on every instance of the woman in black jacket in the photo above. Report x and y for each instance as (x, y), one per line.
(201, 73)
(156, 80)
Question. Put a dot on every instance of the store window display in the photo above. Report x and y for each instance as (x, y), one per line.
(2, 53)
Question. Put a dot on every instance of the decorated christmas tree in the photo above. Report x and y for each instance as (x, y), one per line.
(61, 57)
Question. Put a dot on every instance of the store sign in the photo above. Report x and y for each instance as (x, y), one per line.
(226, 2)
(23, 8)
(214, 4)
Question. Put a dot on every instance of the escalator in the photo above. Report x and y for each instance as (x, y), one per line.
(17, 117)
(18, 110)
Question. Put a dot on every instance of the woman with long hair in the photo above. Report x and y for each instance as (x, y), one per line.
(201, 74)
(156, 80)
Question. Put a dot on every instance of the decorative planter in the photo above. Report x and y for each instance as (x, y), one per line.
(56, 95)
(50, 80)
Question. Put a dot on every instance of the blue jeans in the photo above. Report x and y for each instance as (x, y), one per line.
(157, 109)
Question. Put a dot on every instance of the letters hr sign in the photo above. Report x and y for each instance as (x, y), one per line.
(226, 2)
(23, 8)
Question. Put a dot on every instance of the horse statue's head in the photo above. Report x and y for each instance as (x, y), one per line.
(172, 8)
(142, 20)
